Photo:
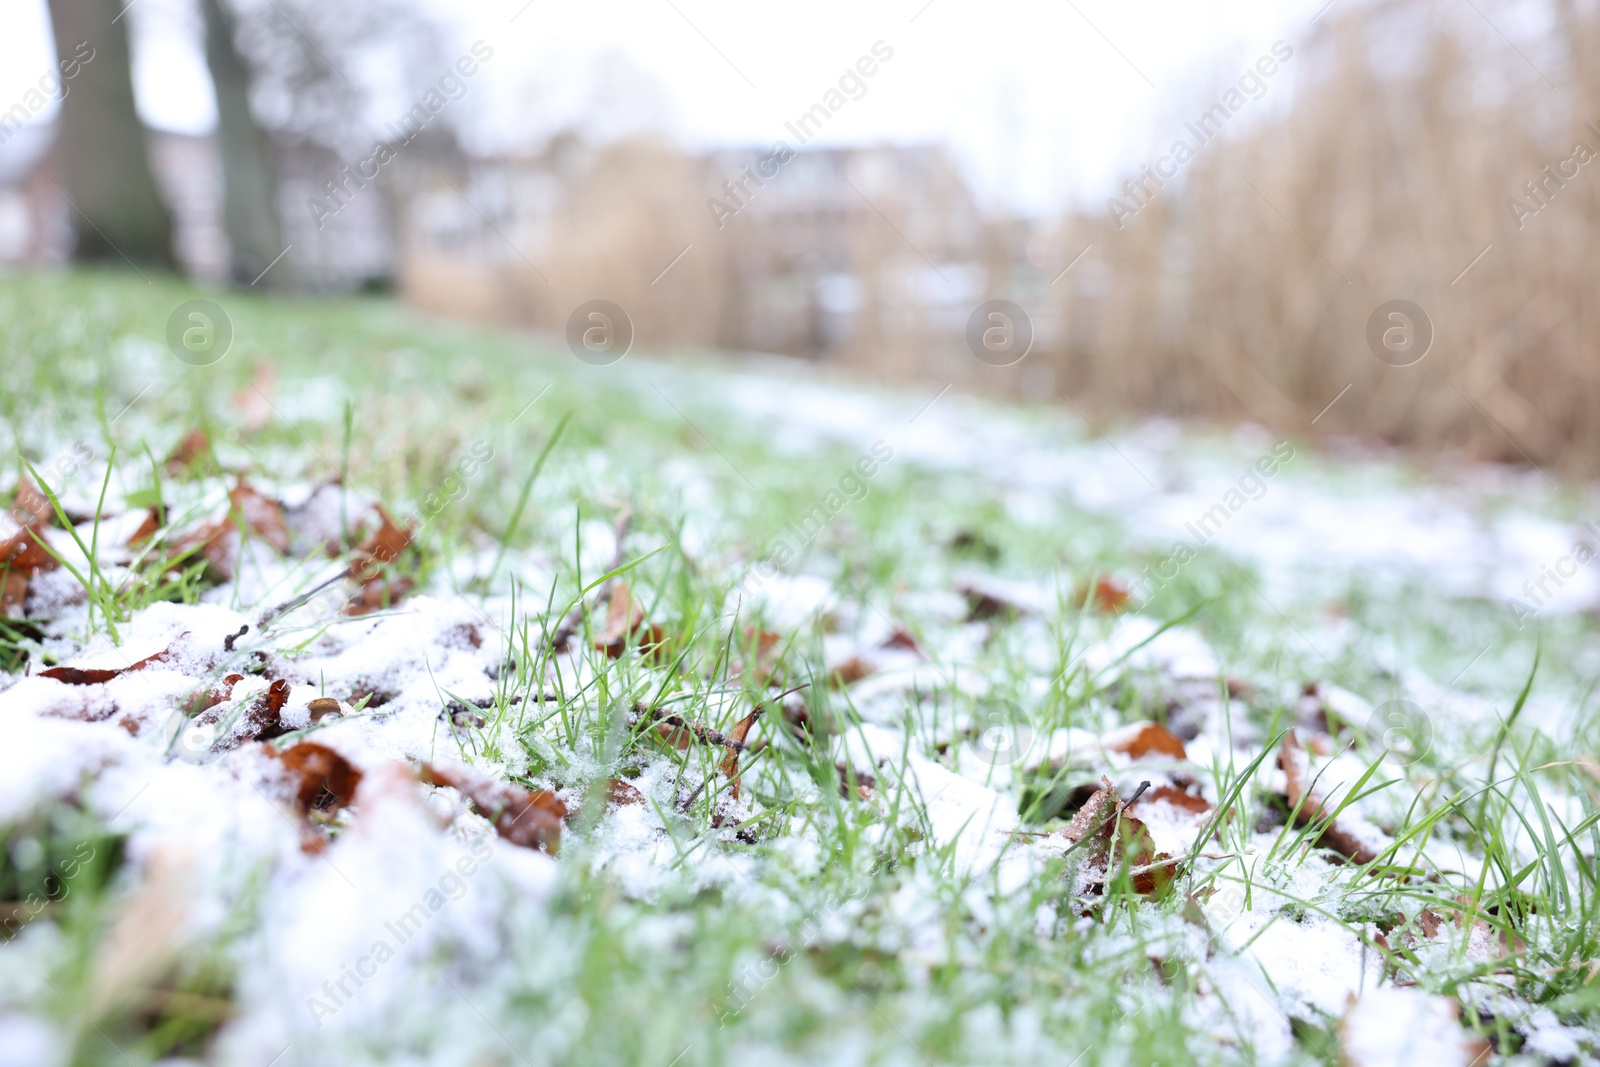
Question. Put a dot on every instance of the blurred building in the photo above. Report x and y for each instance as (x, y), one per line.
(874, 255)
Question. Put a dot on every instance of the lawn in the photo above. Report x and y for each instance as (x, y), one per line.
(391, 690)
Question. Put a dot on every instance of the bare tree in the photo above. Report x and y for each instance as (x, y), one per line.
(101, 151)
(249, 178)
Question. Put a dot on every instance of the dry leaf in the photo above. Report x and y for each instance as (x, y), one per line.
(1105, 594)
(262, 515)
(194, 448)
(530, 819)
(851, 670)
(619, 791)
(323, 780)
(96, 675)
(1309, 808)
(1169, 794)
(1118, 839)
(901, 639)
(624, 619)
(1144, 739)
(741, 730)
(147, 529)
(322, 707)
(381, 548)
(377, 594)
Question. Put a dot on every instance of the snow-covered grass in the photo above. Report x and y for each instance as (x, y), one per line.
(907, 862)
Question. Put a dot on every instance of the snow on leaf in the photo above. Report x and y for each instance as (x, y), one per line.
(531, 819)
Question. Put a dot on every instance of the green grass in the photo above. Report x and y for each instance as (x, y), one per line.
(865, 943)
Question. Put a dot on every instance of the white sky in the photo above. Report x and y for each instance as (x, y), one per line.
(1033, 97)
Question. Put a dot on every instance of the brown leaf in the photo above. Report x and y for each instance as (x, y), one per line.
(200, 702)
(262, 719)
(96, 675)
(323, 779)
(29, 505)
(147, 529)
(851, 670)
(1167, 794)
(624, 619)
(903, 640)
(1100, 819)
(214, 545)
(1095, 811)
(741, 730)
(1309, 808)
(322, 707)
(262, 515)
(1147, 738)
(377, 594)
(530, 819)
(1105, 594)
(22, 552)
(191, 451)
(619, 791)
(381, 548)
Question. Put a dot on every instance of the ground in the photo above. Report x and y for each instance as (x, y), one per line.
(384, 692)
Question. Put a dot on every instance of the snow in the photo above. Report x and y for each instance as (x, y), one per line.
(1398, 1027)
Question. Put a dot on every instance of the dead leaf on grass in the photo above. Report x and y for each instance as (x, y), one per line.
(323, 780)
(1309, 808)
(625, 620)
(1117, 840)
(1105, 594)
(1145, 739)
(97, 675)
(531, 819)
(194, 449)
(262, 515)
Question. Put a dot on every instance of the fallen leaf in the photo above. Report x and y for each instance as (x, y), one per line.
(322, 707)
(741, 730)
(262, 720)
(323, 780)
(381, 548)
(214, 545)
(1169, 794)
(1141, 740)
(1309, 808)
(191, 451)
(96, 675)
(1118, 840)
(1105, 594)
(377, 594)
(899, 638)
(619, 791)
(262, 515)
(530, 819)
(624, 619)
(22, 553)
(851, 670)
(147, 529)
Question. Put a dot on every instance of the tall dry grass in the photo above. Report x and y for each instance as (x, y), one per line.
(1242, 291)
(1246, 291)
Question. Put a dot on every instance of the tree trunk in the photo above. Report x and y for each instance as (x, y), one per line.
(249, 180)
(100, 150)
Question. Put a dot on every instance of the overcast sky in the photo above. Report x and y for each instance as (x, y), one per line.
(1041, 102)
